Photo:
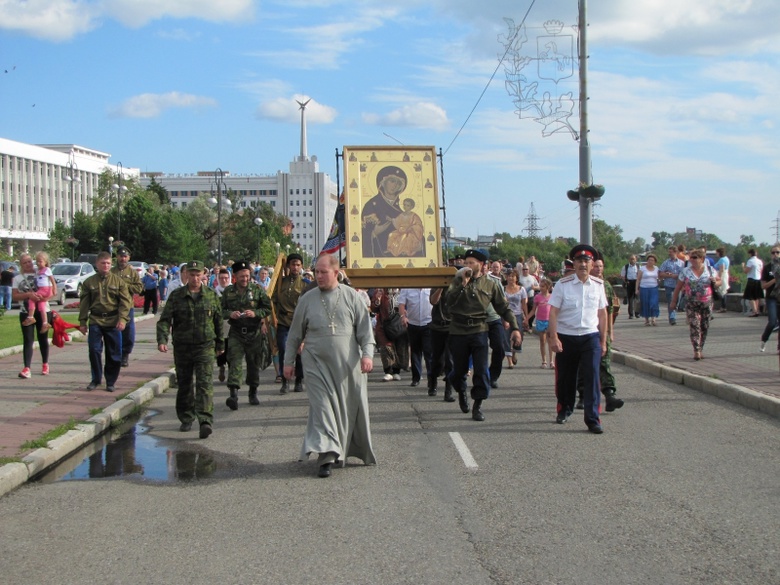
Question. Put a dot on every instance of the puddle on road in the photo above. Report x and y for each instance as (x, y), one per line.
(130, 451)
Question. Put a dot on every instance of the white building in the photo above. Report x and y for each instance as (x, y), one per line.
(40, 184)
(304, 194)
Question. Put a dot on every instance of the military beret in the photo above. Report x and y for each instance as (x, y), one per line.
(196, 265)
(583, 251)
(390, 171)
(476, 254)
(123, 251)
(240, 265)
(292, 257)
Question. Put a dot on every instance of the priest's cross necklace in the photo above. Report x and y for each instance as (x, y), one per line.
(331, 316)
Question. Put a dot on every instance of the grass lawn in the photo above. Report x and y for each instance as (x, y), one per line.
(11, 330)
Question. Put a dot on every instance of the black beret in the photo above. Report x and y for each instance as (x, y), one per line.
(477, 254)
(240, 265)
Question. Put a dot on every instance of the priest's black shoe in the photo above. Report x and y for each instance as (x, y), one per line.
(463, 402)
(476, 412)
(324, 470)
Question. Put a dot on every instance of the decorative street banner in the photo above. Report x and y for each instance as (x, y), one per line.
(539, 75)
(392, 207)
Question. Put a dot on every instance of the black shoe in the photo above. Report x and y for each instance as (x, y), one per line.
(415, 383)
(493, 384)
(205, 430)
(110, 388)
(562, 417)
(324, 470)
(232, 400)
(595, 428)
(613, 403)
(463, 402)
(91, 386)
(630, 316)
(580, 405)
(476, 412)
(253, 400)
(432, 389)
(185, 427)
(283, 389)
(448, 397)
(636, 315)
(298, 386)
(125, 361)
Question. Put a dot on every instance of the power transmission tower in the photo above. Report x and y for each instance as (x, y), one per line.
(776, 224)
(532, 228)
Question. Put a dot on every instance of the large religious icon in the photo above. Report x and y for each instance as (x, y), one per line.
(396, 191)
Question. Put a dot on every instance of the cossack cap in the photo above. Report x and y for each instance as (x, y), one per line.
(476, 254)
(583, 251)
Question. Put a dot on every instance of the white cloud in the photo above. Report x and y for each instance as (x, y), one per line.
(151, 105)
(416, 115)
(289, 110)
(61, 20)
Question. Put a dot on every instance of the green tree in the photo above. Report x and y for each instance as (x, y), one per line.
(160, 192)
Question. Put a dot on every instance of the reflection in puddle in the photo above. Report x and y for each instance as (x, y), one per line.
(130, 451)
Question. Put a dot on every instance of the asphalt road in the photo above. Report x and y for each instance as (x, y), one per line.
(682, 488)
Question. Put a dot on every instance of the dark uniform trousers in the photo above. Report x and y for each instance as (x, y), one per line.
(128, 334)
(497, 337)
(281, 342)
(606, 379)
(475, 346)
(581, 357)
(194, 402)
(420, 348)
(112, 337)
(441, 361)
(631, 297)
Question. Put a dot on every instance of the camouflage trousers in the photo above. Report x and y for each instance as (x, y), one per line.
(194, 401)
(255, 349)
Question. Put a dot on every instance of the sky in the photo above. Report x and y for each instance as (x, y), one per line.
(682, 108)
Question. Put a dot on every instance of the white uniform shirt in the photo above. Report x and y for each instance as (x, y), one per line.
(629, 272)
(418, 305)
(578, 304)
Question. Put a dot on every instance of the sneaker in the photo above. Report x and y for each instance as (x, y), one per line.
(397, 377)
(763, 347)
(387, 378)
(45, 370)
(25, 373)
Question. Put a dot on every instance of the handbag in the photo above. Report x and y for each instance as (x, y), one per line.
(393, 327)
(716, 296)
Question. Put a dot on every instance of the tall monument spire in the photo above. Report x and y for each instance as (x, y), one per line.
(303, 156)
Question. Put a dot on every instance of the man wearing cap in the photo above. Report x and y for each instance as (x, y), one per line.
(379, 211)
(244, 305)
(468, 297)
(194, 314)
(129, 274)
(105, 304)
(578, 336)
(285, 298)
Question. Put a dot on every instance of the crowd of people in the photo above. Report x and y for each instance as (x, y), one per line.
(315, 329)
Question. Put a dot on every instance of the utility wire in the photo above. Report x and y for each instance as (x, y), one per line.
(509, 46)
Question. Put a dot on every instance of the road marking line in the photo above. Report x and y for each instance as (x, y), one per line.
(463, 451)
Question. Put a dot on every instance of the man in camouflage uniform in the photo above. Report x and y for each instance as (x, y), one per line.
(244, 304)
(105, 303)
(194, 313)
(606, 379)
(468, 297)
(285, 299)
(130, 275)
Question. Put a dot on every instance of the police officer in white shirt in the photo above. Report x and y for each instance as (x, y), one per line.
(629, 274)
(578, 336)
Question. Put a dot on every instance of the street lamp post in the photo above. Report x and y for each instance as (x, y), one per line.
(218, 179)
(259, 224)
(72, 177)
(111, 245)
(120, 188)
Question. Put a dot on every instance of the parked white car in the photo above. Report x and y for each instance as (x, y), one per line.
(69, 276)
(140, 267)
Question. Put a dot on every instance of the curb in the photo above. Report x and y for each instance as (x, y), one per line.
(13, 475)
(731, 392)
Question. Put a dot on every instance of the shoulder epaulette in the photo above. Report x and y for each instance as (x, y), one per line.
(597, 280)
(568, 278)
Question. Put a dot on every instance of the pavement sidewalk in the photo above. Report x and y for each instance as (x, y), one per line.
(733, 369)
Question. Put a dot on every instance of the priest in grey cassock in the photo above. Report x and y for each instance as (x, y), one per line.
(337, 356)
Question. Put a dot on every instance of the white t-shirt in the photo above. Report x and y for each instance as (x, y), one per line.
(649, 277)
(24, 283)
(756, 266)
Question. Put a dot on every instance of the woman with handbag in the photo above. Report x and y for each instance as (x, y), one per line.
(393, 344)
(697, 281)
